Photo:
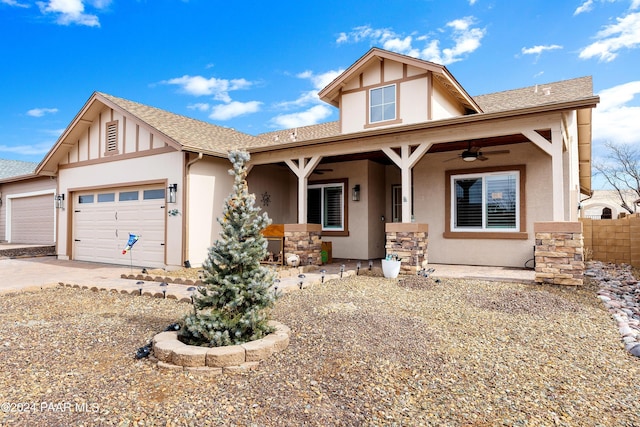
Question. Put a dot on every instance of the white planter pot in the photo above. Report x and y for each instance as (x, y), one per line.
(390, 268)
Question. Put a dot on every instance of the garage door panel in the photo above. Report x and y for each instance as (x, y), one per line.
(107, 226)
(32, 219)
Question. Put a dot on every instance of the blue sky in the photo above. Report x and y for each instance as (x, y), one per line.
(257, 66)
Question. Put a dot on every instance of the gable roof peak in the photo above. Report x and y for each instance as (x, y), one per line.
(331, 93)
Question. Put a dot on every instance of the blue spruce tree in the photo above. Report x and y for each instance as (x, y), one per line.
(232, 306)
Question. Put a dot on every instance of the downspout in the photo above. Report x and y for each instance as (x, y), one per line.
(185, 217)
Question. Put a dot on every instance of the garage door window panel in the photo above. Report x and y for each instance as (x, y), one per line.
(153, 194)
(106, 197)
(87, 198)
(128, 196)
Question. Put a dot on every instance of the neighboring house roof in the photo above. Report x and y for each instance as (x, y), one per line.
(533, 96)
(15, 168)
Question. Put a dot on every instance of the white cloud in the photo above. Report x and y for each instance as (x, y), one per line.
(312, 116)
(39, 112)
(614, 120)
(73, 11)
(15, 3)
(537, 50)
(200, 86)
(199, 106)
(624, 34)
(27, 150)
(319, 81)
(234, 109)
(465, 35)
(587, 6)
(472, 2)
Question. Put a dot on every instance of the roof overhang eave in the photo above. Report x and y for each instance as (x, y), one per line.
(590, 102)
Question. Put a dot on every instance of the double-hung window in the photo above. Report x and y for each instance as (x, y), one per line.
(382, 104)
(486, 202)
(326, 206)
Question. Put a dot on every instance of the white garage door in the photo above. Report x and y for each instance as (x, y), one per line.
(32, 220)
(103, 220)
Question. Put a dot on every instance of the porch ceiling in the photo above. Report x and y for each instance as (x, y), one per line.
(379, 156)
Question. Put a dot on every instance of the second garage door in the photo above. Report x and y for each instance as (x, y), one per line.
(32, 220)
(103, 220)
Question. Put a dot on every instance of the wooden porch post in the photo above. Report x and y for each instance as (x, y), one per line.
(303, 167)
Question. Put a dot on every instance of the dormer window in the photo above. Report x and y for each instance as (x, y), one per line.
(382, 104)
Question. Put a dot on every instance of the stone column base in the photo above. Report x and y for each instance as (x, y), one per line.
(559, 253)
(409, 241)
(304, 240)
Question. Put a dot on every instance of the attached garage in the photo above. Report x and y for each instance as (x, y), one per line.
(31, 219)
(103, 220)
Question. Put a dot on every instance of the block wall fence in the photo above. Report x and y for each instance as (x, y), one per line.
(613, 240)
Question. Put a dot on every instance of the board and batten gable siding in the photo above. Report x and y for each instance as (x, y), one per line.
(419, 97)
(112, 133)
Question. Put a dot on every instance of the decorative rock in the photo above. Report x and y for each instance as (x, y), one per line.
(617, 285)
(203, 371)
(169, 366)
(245, 367)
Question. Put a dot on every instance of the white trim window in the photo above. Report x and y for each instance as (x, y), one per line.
(486, 202)
(382, 104)
(325, 205)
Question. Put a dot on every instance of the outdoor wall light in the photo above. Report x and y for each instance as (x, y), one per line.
(59, 198)
(0, 198)
(172, 190)
(355, 193)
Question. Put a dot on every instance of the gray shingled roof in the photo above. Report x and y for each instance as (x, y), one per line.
(12, 168)
(533, 96)
(190, 133)
(197, 135)
(305, 133)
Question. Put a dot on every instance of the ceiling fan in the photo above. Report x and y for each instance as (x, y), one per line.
(475, 153)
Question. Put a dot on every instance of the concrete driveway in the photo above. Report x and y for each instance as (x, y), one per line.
(21, 273)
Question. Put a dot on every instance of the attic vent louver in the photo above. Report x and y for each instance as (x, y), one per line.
(112, 137)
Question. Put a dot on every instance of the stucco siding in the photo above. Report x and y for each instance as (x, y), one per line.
(413, 101)
(275, 188)
(209, 185)
(429, 207)
(161, 168)
(444, 105)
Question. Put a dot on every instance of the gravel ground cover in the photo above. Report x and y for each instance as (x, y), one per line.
(363, 351)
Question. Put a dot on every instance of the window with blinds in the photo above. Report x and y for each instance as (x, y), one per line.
(111, 144)
(486, 202)
(325, 205)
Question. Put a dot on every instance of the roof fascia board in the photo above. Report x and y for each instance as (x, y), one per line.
(77, 119)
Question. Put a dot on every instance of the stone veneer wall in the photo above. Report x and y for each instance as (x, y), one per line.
(559, 253)
(409, 241)
(304, 240)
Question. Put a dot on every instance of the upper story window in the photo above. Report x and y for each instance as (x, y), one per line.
(382, 104)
